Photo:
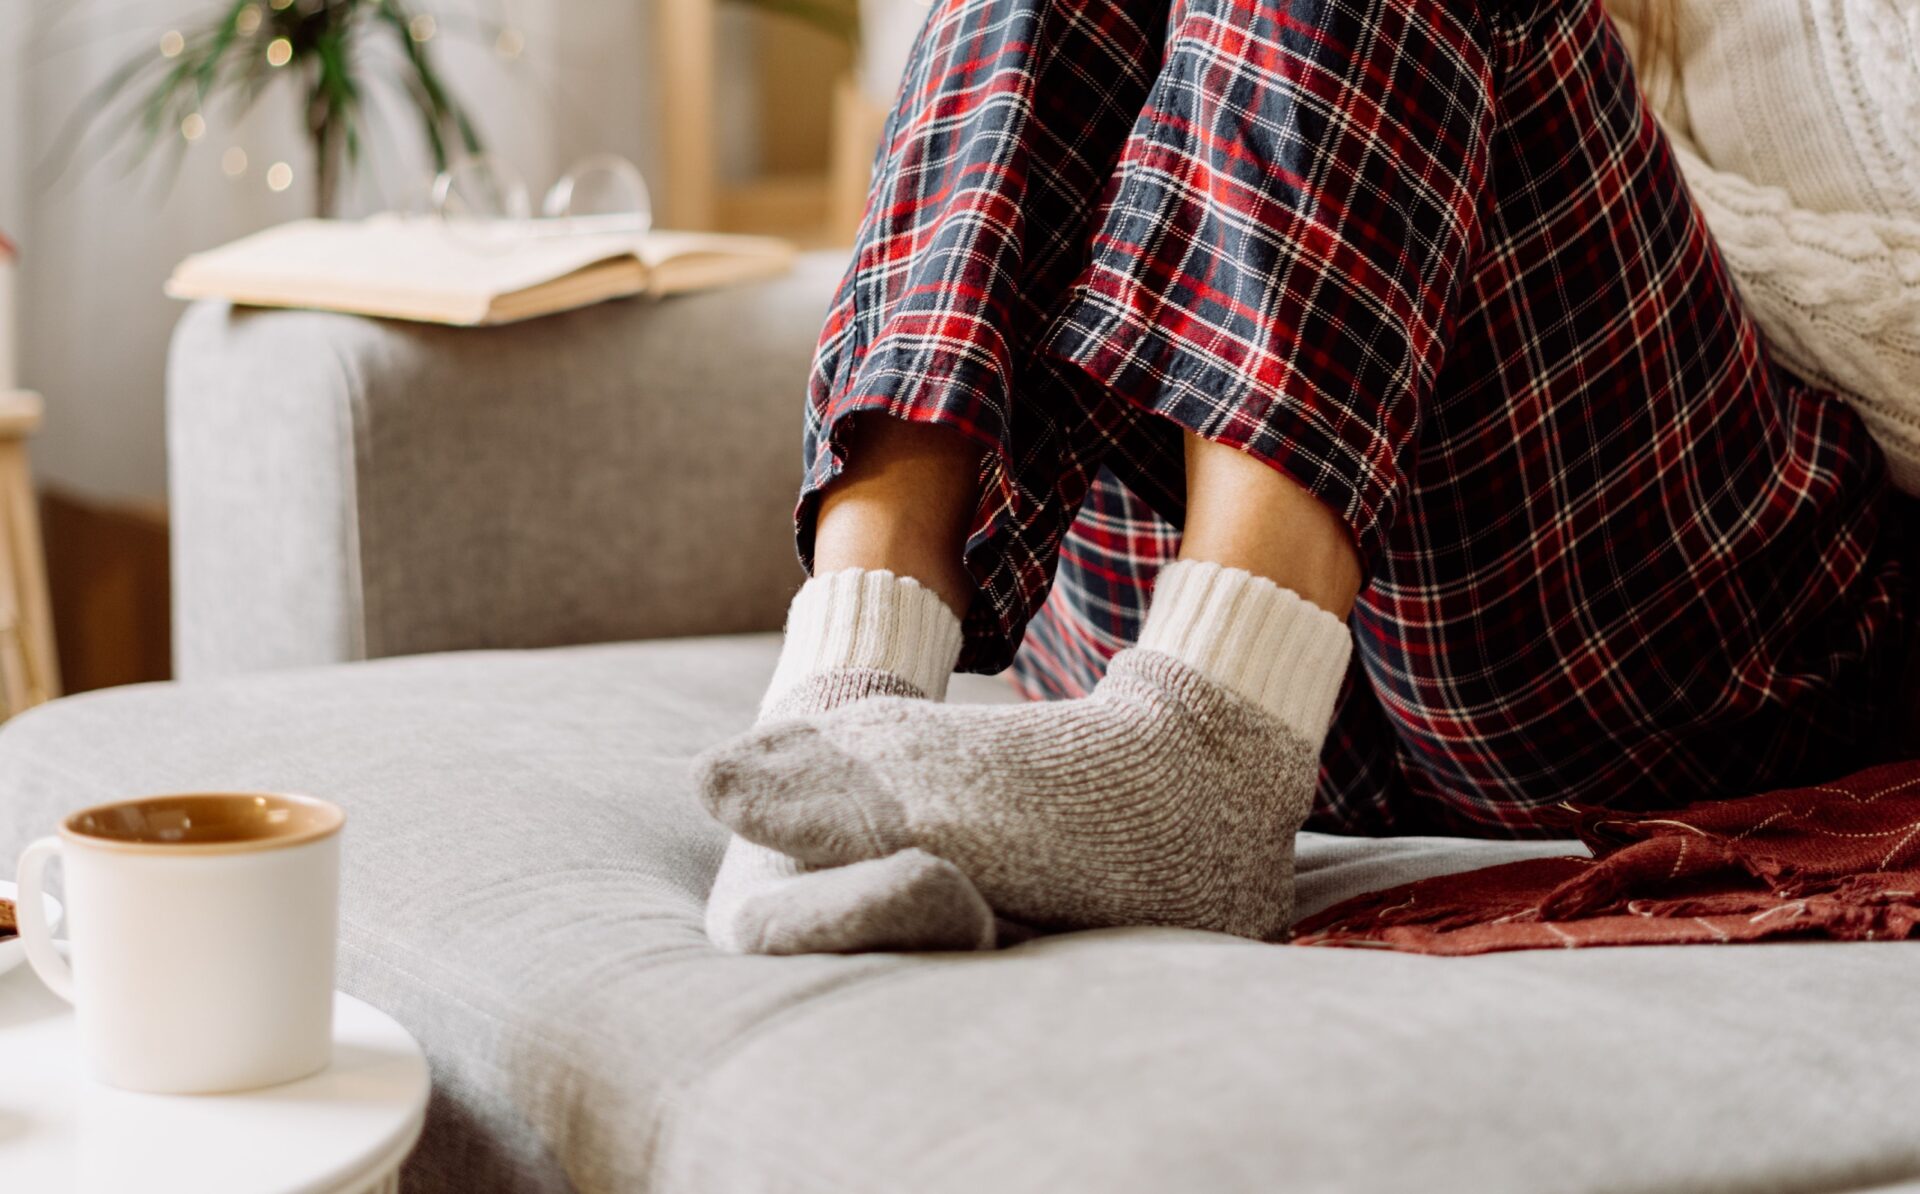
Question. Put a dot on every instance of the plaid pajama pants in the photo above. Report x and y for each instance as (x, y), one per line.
(1433, 262)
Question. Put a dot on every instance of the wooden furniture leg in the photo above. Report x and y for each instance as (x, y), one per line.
(29, 669)
(683, 61)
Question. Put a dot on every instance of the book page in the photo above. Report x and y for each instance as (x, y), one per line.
(414, 267)
(390, 256)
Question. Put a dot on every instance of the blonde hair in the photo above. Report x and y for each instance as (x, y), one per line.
(1651, 30)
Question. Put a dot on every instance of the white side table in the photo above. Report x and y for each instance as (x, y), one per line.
(343, 1131)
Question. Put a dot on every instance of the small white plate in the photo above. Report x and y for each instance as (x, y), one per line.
(12, 952)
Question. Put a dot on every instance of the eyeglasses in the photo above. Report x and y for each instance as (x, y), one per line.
(484, 202)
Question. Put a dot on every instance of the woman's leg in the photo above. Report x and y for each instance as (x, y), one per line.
(907, 505)
(903, 504)
(1168, 796)
(1264, 296)
(1631, 563)
(1243, 514)
(1008, 125)
(1100, 225)
(1112, 553)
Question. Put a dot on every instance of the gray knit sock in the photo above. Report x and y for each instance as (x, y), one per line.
(766, 902)
(851, 635)
(1169, 796)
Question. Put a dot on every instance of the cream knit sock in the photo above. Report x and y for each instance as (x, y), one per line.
(1170, 795)
(862, 619)
(851, 635)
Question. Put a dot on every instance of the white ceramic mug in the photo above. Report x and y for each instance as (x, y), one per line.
(202, 933)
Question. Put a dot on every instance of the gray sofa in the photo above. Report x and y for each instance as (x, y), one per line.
(526, 863)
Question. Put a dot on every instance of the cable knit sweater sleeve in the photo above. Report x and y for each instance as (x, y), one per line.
(1838, 296)
(1794, 123)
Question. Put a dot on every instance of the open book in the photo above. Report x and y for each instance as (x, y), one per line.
(412, 267)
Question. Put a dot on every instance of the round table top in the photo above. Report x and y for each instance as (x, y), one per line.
(336, 1131)
(20, 413)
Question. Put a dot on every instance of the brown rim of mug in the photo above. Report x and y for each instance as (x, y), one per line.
(237, 822)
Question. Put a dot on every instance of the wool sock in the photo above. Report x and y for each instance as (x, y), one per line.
(851, 635)
(1169, 795)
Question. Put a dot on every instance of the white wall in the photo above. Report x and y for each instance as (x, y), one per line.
(97, 243)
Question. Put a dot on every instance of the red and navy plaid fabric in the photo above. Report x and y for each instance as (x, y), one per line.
(1434, 262)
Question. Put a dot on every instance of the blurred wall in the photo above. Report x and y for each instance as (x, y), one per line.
(97, 242)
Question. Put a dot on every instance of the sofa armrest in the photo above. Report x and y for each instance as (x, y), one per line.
(346, 488)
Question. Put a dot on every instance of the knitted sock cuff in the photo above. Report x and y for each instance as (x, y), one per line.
(1269, 644)
(859, 618)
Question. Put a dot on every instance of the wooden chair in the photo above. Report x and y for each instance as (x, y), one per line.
(29, 670)
(814, 211)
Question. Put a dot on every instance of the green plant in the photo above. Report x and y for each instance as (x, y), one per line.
(249, 46)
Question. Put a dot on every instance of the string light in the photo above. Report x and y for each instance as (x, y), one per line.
(421, 28)
(509, 44)
(247, 22)
(171, 43)
(193, 127)
(279, 52)
(234, 161)
(279, 176)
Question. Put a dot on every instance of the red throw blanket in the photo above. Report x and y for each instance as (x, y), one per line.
(1838, 860)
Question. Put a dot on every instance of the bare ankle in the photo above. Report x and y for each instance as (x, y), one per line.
(904, 504)
(1243, 514)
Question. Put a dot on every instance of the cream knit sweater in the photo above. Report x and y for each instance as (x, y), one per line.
(1797, 124)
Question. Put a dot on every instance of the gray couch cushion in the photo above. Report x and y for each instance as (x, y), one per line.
(525, 867)
(347, 488)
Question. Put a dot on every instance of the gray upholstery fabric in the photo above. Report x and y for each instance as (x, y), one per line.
(524, 872)
(346, 488)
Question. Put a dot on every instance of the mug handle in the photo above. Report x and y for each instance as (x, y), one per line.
(31, 911)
